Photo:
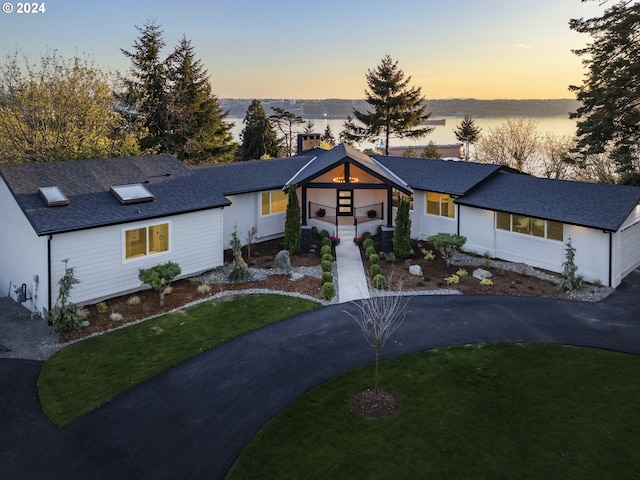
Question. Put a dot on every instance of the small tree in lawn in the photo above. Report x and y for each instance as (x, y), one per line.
(402, 233)
(292, 228)
(378, 317)
(64, 315)
(570, 281)
(239, 268)
(160, 277)
(447, 244)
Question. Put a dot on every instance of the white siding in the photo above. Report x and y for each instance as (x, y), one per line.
(534, 251)
(592, 253)
(97, 254)
(626, 247)
(477, 225)
(24, 254)
(242, 213)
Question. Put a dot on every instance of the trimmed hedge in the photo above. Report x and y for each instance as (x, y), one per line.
(369, 251)
(327, 277)
(379, 282)
(367, 242)
(327, 257)
(326, 266)
(374, 259)
(325, 249)
(328, 290)
(375, 270)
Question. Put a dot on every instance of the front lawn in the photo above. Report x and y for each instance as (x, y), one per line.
(479, 412)
(91, 372)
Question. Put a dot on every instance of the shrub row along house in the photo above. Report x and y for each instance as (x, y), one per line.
(112, 217)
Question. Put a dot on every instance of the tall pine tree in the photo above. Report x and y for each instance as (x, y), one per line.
(467, 133)
(145, 95)
(396, 109)
(197, 130)
(257, 139)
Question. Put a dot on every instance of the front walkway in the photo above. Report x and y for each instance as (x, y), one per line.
(352, 281)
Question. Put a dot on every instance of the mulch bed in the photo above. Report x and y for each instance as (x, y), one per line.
(373, 403)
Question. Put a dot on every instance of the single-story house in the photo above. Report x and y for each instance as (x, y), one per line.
(111, 217)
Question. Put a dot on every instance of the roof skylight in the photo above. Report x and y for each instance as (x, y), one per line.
(53, 196)
(133, 193)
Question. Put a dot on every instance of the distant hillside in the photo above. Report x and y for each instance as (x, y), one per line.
(340, 108)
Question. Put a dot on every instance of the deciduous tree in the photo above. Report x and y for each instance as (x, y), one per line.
(397, 110)
(467, 133)
(258, 139)
(609, 115)
(513, 144)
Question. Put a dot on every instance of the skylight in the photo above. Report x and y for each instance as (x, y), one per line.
(53, 196)
(133, 193)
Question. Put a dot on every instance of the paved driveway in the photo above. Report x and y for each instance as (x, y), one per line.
(193, 421)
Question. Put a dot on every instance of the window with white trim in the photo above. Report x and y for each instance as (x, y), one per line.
(274, 201)
(440, 204)
(536, 227)
(143, 241)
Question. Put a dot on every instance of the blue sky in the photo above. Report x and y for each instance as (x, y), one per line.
(294, 49)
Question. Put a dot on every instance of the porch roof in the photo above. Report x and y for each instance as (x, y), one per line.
(342, 153)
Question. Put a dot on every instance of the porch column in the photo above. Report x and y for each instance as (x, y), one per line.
(304, 205)
(389, 207)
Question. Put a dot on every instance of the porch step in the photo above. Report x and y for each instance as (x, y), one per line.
(346, 232)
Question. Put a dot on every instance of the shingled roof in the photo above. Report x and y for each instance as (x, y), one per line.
(593, 205)
(86, 183)
(443, 176)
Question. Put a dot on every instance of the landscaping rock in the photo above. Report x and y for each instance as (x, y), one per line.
(296, 276)
(481, 274)
(415, 270)
(259, 276)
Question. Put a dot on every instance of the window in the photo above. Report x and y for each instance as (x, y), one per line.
(273, 202)
(530, 226)
(440, 204)
(397, 195)
(140, 242)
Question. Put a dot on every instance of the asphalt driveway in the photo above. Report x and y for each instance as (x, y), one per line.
(193, 420)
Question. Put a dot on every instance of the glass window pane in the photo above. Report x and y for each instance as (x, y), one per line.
(521, 224)
(135, 243)
(278, 201)
(503, 221)
(537, 227)
(433, 203)
(266, 203)
(447, 206)
(159, 238)
(555, 231)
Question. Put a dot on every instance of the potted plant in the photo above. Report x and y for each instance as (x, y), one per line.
(321, 212)
(372, 213)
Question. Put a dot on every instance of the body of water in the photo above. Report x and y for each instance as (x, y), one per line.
(444, 134)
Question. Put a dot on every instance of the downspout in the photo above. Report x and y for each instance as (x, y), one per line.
(458, 217)
(49, 289)
(610, 258)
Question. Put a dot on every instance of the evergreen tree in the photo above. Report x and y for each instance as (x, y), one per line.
(467, 133)
(328, 137)
(396, 109)
(431, 151)
(198, 132)
(402, 232)
(609, 116)
(292, 228)
(145, 96)
(257, 139)
(409, 152)
(286, 123)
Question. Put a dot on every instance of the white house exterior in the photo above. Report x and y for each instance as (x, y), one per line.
(188, 214)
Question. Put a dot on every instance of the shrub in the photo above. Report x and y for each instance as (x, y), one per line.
(314, 231)
(116, 317)
(367, 242)
(402, 232)
(447, 244)
(366, 235)
(428, 254)
(369, 251)
(283, 260)
(452, 280)
(326, 241)
(292, 222)
(326, 266)
(374, 270)
(325, 249)
(486, 282)
(462, 273)
(327, 277)
(324, 233)
(379, 282)
(160, 277)
(102, 307)
(239, 268)
(133, 300)
(569, 280)
(327, 257)
(65, 315)
(374, 259)
(204, 289)
(328, 290)
(390, 257)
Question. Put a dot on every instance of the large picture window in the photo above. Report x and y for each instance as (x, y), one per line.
(274, 201)
(530, 226)
(140, 242)
(440, 204)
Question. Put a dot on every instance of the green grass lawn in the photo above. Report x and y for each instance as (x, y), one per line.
(89, 373)
(481, 412)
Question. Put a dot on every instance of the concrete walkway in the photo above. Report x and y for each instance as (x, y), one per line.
(352, 282)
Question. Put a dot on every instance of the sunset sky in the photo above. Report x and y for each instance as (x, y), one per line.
(294, 49)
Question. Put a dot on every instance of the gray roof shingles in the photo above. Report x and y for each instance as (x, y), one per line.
(593, 205)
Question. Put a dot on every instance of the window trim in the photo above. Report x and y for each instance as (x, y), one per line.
(511, 230)
(147, 253)
(439, 214)
(270, 192)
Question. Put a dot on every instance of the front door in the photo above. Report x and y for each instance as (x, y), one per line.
(345, 203)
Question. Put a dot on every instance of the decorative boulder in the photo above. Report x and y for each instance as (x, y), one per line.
(296, 276)
(415, 270)
(481, 274)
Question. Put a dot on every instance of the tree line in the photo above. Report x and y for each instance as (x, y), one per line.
(61, 109)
